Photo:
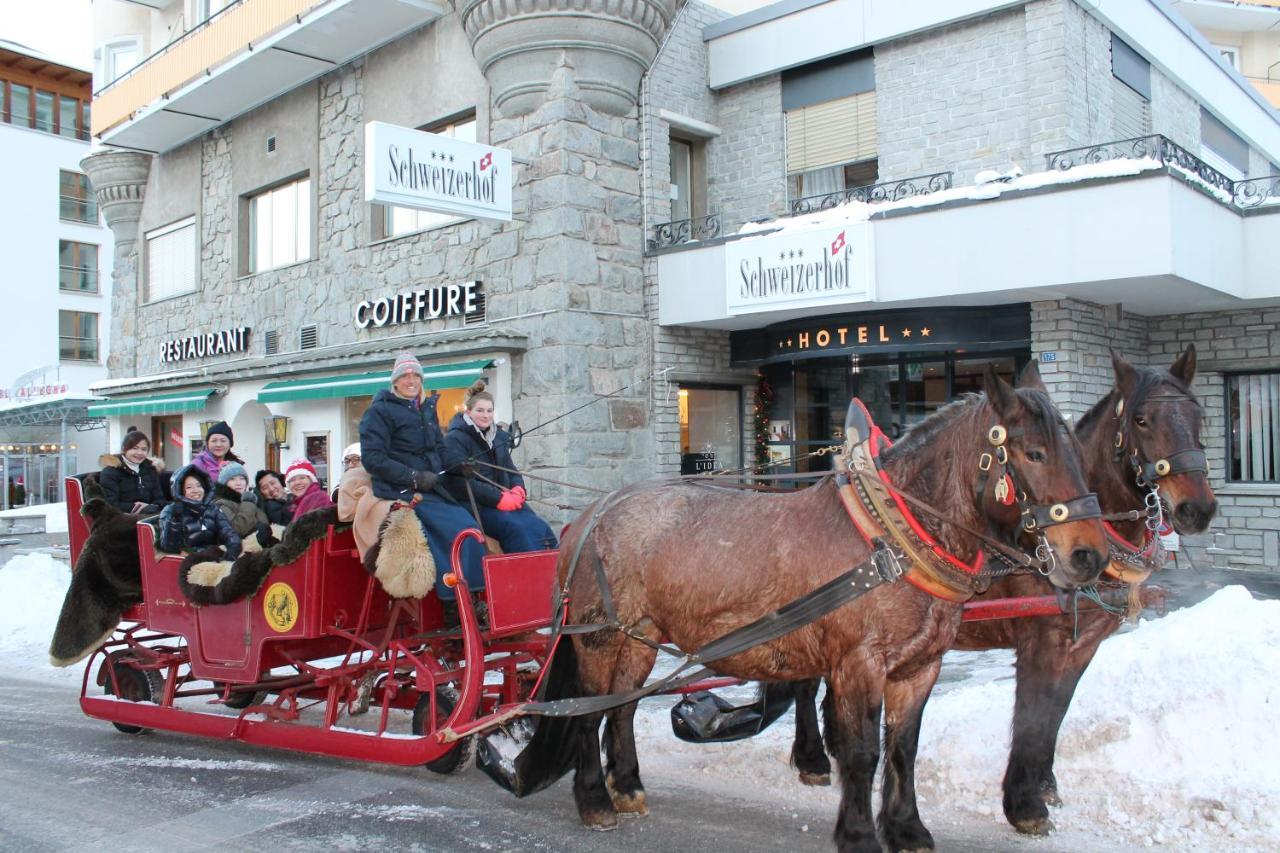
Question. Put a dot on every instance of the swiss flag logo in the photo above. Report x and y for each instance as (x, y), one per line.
(486, 161)
(837, 244)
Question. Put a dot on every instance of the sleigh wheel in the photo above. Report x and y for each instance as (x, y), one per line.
(458, 758)
(240, 701)
(135, 685)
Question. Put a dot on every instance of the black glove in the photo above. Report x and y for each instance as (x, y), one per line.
(264, 535)
(424, 481)
(465, 469)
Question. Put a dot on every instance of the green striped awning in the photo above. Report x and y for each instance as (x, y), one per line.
(192, 400)
(435, 377)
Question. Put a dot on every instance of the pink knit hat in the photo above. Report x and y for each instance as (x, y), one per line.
(300, 468)
(406, 362)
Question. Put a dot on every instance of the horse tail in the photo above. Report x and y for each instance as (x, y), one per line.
(551, 748)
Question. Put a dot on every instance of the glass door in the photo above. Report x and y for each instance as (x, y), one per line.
(710, 429)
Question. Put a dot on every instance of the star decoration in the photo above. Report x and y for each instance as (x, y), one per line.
(924, 333)
(800, 253)
(782, 256)
(788, 341)
(906, 333)
(450, 158)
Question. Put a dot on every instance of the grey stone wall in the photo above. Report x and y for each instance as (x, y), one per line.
(747, 173)
(1247, 341)
(1174, 113)
(956, 99)
(1082, 334)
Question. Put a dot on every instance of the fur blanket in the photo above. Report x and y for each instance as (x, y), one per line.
(206, 578)
(107, 581)
(391, 545)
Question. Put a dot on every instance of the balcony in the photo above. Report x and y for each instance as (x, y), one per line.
(1143, 222)
(1270, 89)
(242, 57)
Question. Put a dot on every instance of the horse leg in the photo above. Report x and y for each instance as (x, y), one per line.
(596, 657)
(904, 707)
(807, 752)
(852, 721)
(1048, 669)
(635, 661)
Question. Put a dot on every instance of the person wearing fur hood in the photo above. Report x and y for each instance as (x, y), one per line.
(193, 520)
(130, 479)
(246, 517)
(480, 452)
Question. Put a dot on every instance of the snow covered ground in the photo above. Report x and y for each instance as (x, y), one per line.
(1171, 741)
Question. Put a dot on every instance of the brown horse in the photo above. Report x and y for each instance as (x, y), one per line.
(692, 562)
(1150, 415)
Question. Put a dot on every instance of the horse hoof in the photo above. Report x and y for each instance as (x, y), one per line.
(818, 780)
(600, 821)
(630, 805)
(1038, 826)
(1051, 798)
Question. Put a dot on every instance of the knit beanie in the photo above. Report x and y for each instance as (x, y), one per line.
(406, 362)
(300, 468)
(232, 469)
(352, 450)
(221, 428)
(132, 439)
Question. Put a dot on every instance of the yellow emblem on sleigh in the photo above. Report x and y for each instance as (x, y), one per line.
(280, 607)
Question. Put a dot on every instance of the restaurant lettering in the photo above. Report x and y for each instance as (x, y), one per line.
(827, 265)
(206, 345)
(425, 303)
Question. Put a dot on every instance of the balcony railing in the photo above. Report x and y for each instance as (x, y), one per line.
(78, 279)
(1253, 192)
(77, 349)
(685, 231)
(76, 209)
(874, 193)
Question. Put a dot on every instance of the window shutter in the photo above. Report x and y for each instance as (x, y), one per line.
(171, 260)
(1132, 111)
(831, 133)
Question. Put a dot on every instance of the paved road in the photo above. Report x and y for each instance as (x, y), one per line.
(71, 783)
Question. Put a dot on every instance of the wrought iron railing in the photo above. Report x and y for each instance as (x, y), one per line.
(685, 231)
(1256, 192)
(1156, 147)
(874, 193)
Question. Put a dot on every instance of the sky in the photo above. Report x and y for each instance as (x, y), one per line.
(62, 29)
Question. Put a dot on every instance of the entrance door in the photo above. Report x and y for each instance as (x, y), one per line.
(167, 441)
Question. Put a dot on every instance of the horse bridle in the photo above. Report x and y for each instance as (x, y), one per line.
(1148, 474)
(1035, 518)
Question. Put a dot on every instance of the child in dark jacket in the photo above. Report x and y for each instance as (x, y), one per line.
(193, 520)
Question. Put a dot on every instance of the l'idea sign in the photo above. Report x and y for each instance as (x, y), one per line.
(429, 171)
(825, 265)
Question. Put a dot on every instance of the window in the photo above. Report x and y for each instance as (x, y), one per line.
(69, 118)
(77, 336)
(832, 146)
(77, 202)
(1222, 148)
(44, 111)
(396, 221)
(1253, 446)
(710, 429)
(171, 259)
(77, 266)
(19, 108)
(120, 57)
(1130, 90)
(280, 226)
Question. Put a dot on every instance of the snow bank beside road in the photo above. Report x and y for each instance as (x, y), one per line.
(32, 587)
(55, 515)
(1171, 737)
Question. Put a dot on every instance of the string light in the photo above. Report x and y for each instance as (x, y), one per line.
(762, 403)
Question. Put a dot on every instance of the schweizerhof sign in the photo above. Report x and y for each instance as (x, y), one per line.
(825, 265)
(412, 168)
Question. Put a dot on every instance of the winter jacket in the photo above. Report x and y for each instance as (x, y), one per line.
(124, 487)
(210, 464)
(278, 512)
(188, 524)
(245, 516)
(464, 443)
(315, 497)
(398, 438)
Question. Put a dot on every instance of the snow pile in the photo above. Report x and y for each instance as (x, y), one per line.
(55, 515)
(1170, 738)
(32, 587)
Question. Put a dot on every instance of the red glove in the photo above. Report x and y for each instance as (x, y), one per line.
(510, 501)
(519, 490)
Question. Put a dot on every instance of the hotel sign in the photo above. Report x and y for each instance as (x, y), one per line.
(429, 171)
(823, 265)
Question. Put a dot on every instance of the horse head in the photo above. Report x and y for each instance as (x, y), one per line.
(1040, 486)
(1154, 423)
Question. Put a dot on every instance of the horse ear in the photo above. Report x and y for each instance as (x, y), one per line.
(1184, 368)
(1126, 375)
(1030, 376)
(1000, 394)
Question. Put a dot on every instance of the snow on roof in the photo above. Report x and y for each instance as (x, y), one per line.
(110, 384)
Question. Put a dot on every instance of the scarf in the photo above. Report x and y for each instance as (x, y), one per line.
(488, 435)
(130, 465)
